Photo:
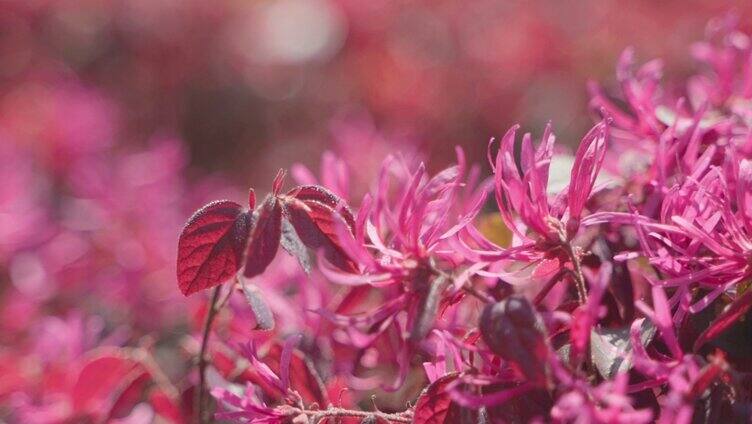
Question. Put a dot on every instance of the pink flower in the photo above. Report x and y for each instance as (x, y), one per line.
(249, 405)
(609, 402)
(686, 377)
(401, 244)
(521, 194)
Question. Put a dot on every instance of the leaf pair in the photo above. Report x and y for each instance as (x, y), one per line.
(221, 235)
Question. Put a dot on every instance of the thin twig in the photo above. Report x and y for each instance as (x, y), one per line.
(317, 416)
(483, 297)
(548, 286)
(579, 279)
(201, 410)
(227, 297)
(566, 244)
(467, 287)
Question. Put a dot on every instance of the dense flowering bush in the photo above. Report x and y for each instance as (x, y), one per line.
(617, 294)
(608, 285)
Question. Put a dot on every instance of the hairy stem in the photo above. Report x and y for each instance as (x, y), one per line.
(317, 416)
(201, 401)
(566, 244)
(579, 279)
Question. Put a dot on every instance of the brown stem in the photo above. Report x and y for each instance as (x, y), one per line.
(579, 279)
(317, 416)
(483, 297)
(201, 407)
(468, 287)
(548, 286)
(566, 244)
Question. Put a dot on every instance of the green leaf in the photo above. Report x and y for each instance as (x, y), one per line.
(610, 348)
(264, 316)
(294, 246)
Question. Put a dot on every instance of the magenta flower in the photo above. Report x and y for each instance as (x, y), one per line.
(704, 239)
(401, 245)
(685, 375)
(609, 402)
(248, 405)
(538, 222)
(522, 191)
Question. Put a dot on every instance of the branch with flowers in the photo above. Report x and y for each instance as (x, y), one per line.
(605, 299)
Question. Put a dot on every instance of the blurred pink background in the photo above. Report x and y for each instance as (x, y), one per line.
(251, 86)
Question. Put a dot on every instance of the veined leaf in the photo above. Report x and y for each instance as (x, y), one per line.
(210, 249)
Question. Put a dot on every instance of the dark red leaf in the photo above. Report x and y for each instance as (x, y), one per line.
(322, 195)
(435, 405)
(513, 330)
(315, 224)
(265, 239)
(264, 316)
(210, 249)
(532, 406)
(726, 319)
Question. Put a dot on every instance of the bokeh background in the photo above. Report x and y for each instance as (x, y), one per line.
(251, 86)
(119, 118)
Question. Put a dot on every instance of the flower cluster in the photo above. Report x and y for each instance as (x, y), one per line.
(607, 286)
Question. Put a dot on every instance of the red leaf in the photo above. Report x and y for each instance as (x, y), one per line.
(130, 397)
(726, 319)
(103, 381)
(322, 195)
(166, 406)
(265, 239)
(315, 224)
(303, 376)
(435, 405)
(211, 245)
